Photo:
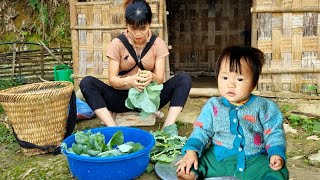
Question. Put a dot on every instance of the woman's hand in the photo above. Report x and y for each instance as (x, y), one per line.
(145, 77)
(139, 81)
(276, 162)
(136, 82)
(185, 164)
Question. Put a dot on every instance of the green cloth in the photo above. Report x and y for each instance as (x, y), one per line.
(147, 101)
(257, 167)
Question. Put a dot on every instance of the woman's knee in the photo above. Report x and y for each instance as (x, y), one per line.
(86, 81)
(185, 79)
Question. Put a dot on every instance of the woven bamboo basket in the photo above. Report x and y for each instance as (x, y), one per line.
(38, 113)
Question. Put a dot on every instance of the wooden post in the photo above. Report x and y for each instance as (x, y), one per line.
(163, 13)
(42, 62)
(62, 54)
(74, 37)
(254, 30)
(14, 53)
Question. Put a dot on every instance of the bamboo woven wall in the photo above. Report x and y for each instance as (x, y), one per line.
(288, 32)
(200, 29)
(94, 24)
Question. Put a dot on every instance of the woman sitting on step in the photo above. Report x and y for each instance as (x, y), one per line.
(125, 70)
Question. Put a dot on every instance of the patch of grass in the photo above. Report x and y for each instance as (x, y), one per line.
(6, 135)
(311, 126)
(286, 108)
(184, 129)
(7, 140)
(8, 83)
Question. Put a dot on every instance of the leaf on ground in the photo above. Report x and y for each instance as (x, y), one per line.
(171, 129)
(315, 157)
(297, 157)
(150, 168)
(314, 137)
(27, 172)
(165, 158)
(289, 129)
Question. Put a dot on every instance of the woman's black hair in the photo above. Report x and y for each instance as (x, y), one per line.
(138, 13)
(253, 57)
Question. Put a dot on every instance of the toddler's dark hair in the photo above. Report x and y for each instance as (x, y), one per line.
(253, 56)
(137, 12)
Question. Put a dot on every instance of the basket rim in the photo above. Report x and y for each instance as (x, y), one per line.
(10, 91)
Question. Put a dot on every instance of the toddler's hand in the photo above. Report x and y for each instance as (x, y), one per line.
(185, 164)
(276, 162)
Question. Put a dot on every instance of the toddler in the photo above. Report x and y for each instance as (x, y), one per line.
(238, 134)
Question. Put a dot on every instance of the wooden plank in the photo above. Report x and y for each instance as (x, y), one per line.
(265, 26)
(93, 3)
(286, 45)
(310, 3)
(286, 25)
(286, 4)
(310, 44)
(296, 4)
(276, 82)
(254, 30)
(292, 70)
(296, 44)
(276, 36)
(265, 45)
(310, 23)
(163, 22)
(318, 33)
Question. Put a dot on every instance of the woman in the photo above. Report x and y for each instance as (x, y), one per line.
(103, 98)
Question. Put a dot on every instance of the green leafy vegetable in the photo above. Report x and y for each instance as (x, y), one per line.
(93, 144)
(117, 139)
(168, 144)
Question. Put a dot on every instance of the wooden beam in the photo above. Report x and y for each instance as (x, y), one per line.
(254, 30)
(50, 52)
(112, 27)
(210, 92)
(285, 10)
(289, 71)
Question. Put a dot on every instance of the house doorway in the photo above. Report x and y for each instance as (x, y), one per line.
(198, 30)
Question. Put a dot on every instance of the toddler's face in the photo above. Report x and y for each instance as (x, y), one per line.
(235, 87)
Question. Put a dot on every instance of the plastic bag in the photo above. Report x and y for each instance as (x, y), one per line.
(83, 110)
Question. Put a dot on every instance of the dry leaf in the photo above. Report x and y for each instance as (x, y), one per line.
(297, 157)
(27, 172)
(289, 129)
(314, 137)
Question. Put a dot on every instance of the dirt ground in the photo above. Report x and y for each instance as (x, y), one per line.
(14, 165)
